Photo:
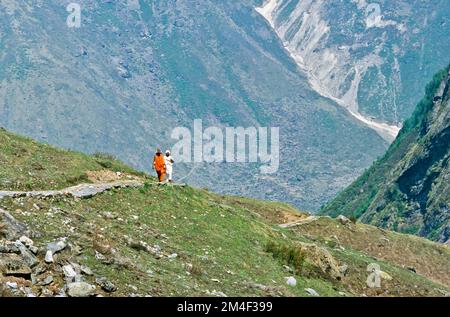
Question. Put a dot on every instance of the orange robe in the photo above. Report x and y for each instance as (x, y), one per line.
(160, 167)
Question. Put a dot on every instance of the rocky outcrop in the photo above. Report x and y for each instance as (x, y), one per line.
(25, 271)
(322, 259)
(11, 228)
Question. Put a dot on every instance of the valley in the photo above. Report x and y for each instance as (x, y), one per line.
(355, 52)
(407, 189)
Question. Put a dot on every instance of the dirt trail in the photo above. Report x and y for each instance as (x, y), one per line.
(299, 223)
(82, 190)
(78, 191)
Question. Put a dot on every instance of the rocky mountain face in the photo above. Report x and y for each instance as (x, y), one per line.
(372, 57)
(408, 189)
(135, 70)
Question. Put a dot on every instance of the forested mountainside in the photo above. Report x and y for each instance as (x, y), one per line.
(408, 189)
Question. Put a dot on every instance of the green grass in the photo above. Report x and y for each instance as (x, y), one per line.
(224, 244)
(425, 105)
(393, 251)
(224, 248)
(288, 253)
(26, 164)
(227, 244)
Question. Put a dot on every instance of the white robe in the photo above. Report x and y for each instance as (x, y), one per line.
(169, 166)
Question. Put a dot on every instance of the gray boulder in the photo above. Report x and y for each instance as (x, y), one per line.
(311, 292)
(343, 220)
(27, 256)
(47, 281)
(291, 281)
(86, 270)
(8, 247)
(57, 246)
(26, 241)
(12, 264)
(13, 229)
(49, 257)
(80, 289)
(69, 272)
(106, 285)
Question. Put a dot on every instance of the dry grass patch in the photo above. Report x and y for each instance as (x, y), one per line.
(427, 258)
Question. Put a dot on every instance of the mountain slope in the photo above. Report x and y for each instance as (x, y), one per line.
(135, 70)
(173, 240)
(372, 57)
(407, 190)
(27, 164)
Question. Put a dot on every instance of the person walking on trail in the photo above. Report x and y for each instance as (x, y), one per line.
(169, 166)
(159, 165)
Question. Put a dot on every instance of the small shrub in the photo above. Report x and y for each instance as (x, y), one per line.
(78, 179)
(37, 166)
(332, 244)
(105, 164)
(353, 219)
(19, 152)
(29, 184)
(100, 243)
(104, 156)
(144, 189)
(288, 253)
(104, 159)
(195, 269)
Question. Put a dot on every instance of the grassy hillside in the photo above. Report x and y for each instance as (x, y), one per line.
(26, 164)
(406, 251)
(406, 190)
(173, 240)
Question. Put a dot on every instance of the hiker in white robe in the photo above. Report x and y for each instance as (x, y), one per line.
(169, 166)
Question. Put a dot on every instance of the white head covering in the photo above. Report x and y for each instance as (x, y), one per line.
(168, 152)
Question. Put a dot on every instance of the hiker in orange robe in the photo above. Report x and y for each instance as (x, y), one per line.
(160, 165)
